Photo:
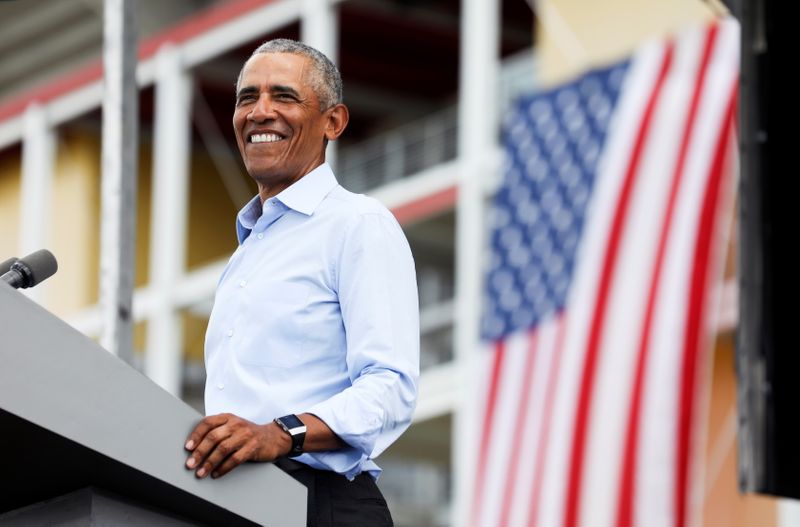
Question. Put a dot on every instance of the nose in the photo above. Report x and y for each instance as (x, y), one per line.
(262, 110)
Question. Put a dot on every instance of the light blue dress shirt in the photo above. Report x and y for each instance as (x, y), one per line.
(317, 312)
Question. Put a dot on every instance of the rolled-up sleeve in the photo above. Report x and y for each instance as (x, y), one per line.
(379, 304)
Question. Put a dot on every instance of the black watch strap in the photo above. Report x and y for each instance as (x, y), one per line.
(293, 426)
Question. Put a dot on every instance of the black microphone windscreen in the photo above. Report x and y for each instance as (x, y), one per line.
(5, 266)
(42, 265)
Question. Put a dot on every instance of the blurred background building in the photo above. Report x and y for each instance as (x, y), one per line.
(407, 66)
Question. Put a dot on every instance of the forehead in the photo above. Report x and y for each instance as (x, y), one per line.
(276, 68)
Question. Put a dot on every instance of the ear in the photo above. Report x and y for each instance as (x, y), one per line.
(338, 117)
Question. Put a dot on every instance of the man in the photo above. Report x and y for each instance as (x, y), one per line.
(315, 321)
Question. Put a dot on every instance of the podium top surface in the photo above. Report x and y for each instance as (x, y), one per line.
(65, 387)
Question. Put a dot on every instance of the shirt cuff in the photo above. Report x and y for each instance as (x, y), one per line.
(358, 425)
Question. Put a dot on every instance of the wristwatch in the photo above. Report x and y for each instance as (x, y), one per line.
(293, 426)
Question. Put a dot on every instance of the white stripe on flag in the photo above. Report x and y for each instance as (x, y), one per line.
(502, 427)
(633, 97)
(628, 293)
(656, 474)
(546, 342)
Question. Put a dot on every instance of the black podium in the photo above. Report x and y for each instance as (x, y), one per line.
(88, 440)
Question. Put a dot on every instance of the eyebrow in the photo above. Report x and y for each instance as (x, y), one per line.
(284, 89)
(247, 90)
(277, 88)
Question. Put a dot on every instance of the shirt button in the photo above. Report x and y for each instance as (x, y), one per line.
(221, 386)
(260, 236)
(243, 283)
(230, 332)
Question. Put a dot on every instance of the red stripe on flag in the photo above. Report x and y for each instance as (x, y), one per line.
(497, 366)
(595, 333)
(627, 491)
(695, 317)
(519, 428)
(541, 454)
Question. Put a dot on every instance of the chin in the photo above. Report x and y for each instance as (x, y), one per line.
(261, 173)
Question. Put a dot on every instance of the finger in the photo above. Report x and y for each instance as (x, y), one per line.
(203, 427)
(234, 460)
(207, 445)
(221, 452)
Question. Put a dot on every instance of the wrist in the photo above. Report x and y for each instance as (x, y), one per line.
(294, 430)
(282, 441)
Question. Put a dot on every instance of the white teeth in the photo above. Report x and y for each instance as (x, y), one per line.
(265, 138)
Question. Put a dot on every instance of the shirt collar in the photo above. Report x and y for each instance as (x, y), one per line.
(304, 195)
(250, 213)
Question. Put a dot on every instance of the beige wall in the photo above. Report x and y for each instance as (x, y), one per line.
(74, 229)
(10, 165)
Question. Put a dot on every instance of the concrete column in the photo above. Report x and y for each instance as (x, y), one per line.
(119, 158)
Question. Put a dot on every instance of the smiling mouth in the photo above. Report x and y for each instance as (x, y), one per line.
(264, 138)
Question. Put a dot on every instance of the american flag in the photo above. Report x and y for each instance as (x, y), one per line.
(606, 239)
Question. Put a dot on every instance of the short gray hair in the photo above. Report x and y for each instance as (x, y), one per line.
(326, 81)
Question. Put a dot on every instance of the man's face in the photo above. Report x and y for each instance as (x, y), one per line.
(279, 126)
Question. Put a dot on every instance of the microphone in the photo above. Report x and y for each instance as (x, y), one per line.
(6, 265)
(31, 270)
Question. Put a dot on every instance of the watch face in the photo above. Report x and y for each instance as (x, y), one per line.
(291, 421)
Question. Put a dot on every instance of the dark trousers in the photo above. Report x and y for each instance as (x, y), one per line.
(334, 501)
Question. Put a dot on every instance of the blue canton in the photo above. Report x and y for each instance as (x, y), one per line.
(553, 144)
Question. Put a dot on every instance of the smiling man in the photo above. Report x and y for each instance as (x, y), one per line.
(312, 348)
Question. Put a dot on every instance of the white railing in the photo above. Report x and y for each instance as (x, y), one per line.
(415, 146)
(399, 153)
